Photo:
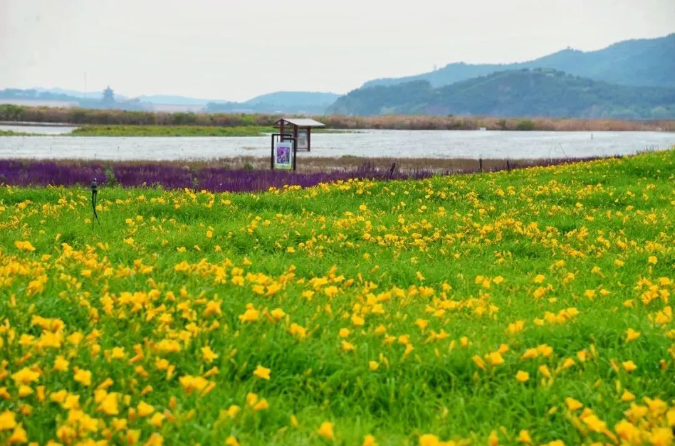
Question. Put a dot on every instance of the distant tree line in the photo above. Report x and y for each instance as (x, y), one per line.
(80, 116)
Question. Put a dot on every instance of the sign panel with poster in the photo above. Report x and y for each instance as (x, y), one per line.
(303, 140)
(283, 155)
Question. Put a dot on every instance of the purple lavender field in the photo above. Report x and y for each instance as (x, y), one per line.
(169, 176)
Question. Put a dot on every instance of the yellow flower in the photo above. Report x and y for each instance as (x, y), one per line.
(277, 313)
(569, 362)
(109, 404)
(530, 353)
(429, 440)
(626, 396)
(298, 331)
(543, 369)
(369, 440)
(117, 353)
(191, 383)
(231, 441)
(262, 372)
(662, 436)
(348, 346)
(545, 350)
(493, 439)
(628, 432)
(156, 420)
(25, 376)
(144, 409)
(251, 399)
(7, 420)
(24, 391)
(522, 376)
(261, 405)
(632, 335)
(652, 260)
(18, 436)
(573, 404)
(82, 376)
(208, 355)
(524, 437)
(24, 246)
(478, 361)
(326, 430)
(422, 324)
(357, 320)
(629, 366)
(250, 315)
(495, 358)
(154, 440)
(373, 365)
(595, 424)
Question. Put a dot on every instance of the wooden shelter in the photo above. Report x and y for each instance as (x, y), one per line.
(301, 131)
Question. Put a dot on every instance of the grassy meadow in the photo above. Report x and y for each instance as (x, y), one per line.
(531, 307)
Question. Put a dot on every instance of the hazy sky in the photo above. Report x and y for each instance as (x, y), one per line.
(236, 49)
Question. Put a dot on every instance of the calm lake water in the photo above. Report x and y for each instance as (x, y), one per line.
(367, 143)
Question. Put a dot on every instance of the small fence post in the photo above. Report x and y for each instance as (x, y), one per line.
(480, 164)
(272, 154)
(508, 165)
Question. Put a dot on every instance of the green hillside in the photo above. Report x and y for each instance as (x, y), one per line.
(538, 92)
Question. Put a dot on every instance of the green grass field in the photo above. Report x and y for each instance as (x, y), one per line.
(531, 307)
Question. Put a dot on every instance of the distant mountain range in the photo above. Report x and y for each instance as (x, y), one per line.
(300, 102)
(297, 102)
(166, 99)
(642, 62)
(634, 79)
(513, 93)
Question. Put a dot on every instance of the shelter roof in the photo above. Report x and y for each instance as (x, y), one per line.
(304, 122)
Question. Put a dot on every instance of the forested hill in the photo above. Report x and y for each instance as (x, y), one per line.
(539, 92)
(640, 62)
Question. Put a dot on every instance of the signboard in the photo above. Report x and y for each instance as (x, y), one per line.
(302, 140)
(283, 155)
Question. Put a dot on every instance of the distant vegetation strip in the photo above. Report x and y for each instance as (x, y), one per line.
(13, 133)
(169, 130)
(76, 116)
